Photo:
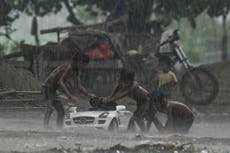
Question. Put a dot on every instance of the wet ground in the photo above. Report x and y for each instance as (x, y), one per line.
(22, 131)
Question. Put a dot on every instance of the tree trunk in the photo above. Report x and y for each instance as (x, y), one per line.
(72, 18)
(138, 15)
(214, 47)
(224, 39)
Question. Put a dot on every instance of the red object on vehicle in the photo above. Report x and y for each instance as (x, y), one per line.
(102, 51)
(104, 47)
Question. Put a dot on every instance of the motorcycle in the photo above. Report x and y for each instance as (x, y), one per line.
(197, 85)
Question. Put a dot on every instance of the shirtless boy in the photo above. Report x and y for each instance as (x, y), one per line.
(128, 87)
(179, 116)
(56, 81)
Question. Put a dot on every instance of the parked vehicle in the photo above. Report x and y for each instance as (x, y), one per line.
(197, 85)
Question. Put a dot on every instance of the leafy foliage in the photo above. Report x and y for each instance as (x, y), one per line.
(36, 7)
(181, 9)
(11, 9)
(198, 43)
(139, 11)
(8, 46)
(217, 8)
(6, 19)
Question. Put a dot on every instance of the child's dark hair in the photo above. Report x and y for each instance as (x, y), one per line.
(127, 74)
(156, 96)
(165, 59)
(79, 56)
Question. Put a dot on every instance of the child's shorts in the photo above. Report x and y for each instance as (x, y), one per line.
(49, 93)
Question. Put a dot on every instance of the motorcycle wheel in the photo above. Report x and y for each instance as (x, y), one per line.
(199, 86)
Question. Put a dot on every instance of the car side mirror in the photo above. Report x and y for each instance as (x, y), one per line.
(120, 108)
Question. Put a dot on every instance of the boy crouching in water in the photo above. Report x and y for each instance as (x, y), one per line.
(128, 87)
(179, 116)
(56, 81)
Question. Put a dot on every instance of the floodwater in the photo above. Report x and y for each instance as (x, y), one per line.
(22, 131)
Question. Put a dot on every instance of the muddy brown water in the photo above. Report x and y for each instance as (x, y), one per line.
(22, 131)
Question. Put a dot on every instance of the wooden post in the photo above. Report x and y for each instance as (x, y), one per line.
(58, 36)
(214, 47)
(224, 38)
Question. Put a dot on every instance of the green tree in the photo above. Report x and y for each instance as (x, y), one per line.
(195, 42)
(6, 19)
(181, 9)
(139, 12)
(11, 9)
(216, 9)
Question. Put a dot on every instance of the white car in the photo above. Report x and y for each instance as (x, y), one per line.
(113, 120)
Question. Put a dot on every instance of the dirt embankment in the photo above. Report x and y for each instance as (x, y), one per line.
(18, 79)
(13, 79)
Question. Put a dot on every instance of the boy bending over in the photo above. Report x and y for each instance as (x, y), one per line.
(179, 116)
(128, 87)
(56, 81)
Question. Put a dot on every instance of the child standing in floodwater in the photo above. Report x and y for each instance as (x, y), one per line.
(56, 81)
(166, 80)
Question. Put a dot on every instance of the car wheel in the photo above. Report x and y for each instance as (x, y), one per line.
(131, 126)
(113, 126)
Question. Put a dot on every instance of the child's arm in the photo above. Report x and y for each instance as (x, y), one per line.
(169, 124)
(158, 124)
(116, 96)
(82, 89)
(117, 88)
(156, 82)
(174, 77)
(174, 80)
(62, 84)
